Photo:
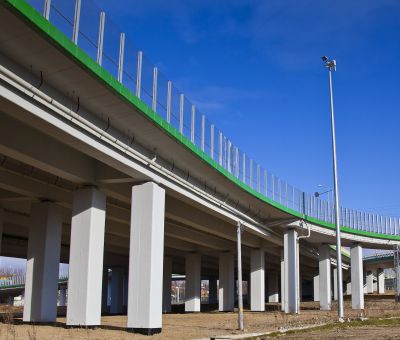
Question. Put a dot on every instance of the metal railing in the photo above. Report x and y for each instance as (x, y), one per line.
(92, 30)
(16, 281)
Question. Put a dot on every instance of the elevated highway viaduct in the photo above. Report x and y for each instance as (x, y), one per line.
(92, 175)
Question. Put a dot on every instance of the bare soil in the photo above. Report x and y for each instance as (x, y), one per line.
(211, 323)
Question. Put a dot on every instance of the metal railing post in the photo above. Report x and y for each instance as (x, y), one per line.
(181, 103)
(101, 38)
(121, 57)
(212, 141)
(46, 9)
(77, 17)
(139, 74)
(169, 92)
(203, 126)
(220, 149)
(192, 127)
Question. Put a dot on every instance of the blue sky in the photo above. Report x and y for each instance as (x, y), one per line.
(254, 68)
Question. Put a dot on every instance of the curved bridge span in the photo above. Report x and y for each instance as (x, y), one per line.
(105, 162)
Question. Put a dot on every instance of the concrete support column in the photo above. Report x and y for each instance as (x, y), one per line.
(335, 287)
(325, 293)
(226, 301)
(63, 295)
(167, 280)
(257, 273)
(193, 283)
(146, 255)
(212, 290)
(357, 285)
(86, 258)
(381, 281)
(117, 290)
(273, 282)
(283, 295)
(104, 291)
(125, 288)
(348, 288)
(370, 282)
(292, 281)
(42, 267)
(316, 287)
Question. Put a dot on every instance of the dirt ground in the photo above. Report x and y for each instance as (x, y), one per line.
(211, 324)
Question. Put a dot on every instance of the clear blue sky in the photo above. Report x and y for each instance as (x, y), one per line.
(254, 68)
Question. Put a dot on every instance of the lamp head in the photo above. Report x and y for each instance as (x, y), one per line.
(331, 64)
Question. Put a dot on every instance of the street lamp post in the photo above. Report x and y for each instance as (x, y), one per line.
(331, 66)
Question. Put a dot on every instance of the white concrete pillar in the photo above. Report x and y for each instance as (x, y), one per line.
(226, 296)
(316, 287)
(146, 255)
(370, 282)
(63, 295)
(1, 226)
(117, 290)
(86, 258)
(357, 284)
(257, 273)
(381, 281)
(193, 282)
(292, 280)
(325, 293)
(167, 281)
(212, 290)
(348, 287)
(283, 295)
(42, 267)
(335, 287)
(273, 282)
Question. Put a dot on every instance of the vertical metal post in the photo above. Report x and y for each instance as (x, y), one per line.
(203, 127)
(101, 38)
(336, 196)
(273, 186)
(169, 92)
(280, 190)
(192, 124)
(77, 17)
(212, 141)
(239, 274)
(154, 101)
(258, 178)
(265, 182)
(181, 103)
(244, 168)
(251, 173)
(229, 156)
(286, 194)
(121, 60)
(236, 162)
(220, 148)
(46, 9)
(139, 74)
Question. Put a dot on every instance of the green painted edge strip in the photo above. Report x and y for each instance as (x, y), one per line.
(64, 44)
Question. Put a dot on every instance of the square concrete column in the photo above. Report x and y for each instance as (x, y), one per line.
(335, 287)
(370, 282)
(325, 293)
(86, 258)
(212, 290)
(257, 273)
(63, 295)
(381, 281)
(117, 290)
(316, 287)
(357, 277)
(167, 281)
(125, 288)
(283, 295)
(193, 282)
(226, 301)
(146, 257)
(292, 277)
(348, 288)
(273, 282)
(42, 267)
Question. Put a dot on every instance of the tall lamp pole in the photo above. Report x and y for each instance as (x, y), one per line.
(331, 66)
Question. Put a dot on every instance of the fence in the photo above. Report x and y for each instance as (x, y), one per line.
(92, 30)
